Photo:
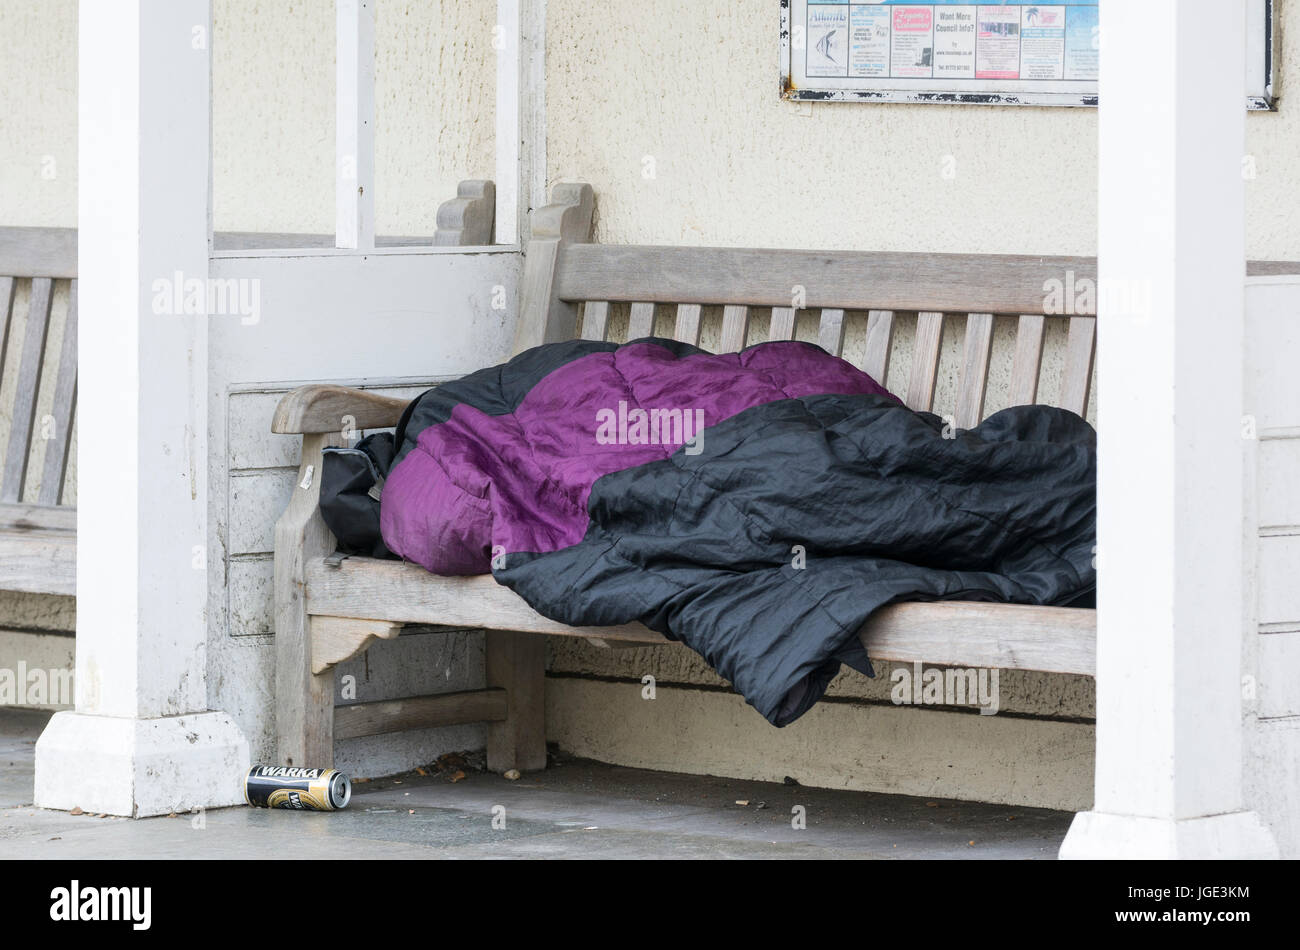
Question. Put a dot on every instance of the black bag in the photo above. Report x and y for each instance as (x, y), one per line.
(351, 483)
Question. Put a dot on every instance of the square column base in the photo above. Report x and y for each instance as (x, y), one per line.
(140, 767)
(1097, 835)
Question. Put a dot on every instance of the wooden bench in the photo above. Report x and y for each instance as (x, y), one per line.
(329, 609)
(38, 531)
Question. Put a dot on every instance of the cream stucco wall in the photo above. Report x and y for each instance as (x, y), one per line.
(693, 87)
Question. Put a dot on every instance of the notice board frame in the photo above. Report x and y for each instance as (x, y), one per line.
(797, 87)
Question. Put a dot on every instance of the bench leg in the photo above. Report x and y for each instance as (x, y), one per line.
(516, 662)
(304, 699)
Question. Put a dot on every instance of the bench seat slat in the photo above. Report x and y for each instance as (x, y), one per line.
(830, 333)
(1051, 639)
(880, 337)
(974, 370)
(735, 329)
(29, 382)
(38, 550)
(782, 324)
(6, 305)
(642, 321)
(925, 361)
(687, 327)
(1079, 348)
(65, 395)
(595, 320)
(1027, 361)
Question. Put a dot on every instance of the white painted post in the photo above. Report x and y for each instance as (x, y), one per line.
(354, 102)
(509, 135)
(1170, 451)
(520, 42)
(142, 740)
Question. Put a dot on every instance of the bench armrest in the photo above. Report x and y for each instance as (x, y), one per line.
(324, 408)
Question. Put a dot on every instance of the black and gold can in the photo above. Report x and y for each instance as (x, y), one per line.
(285, 786)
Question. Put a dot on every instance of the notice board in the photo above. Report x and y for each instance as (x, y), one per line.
(1043, 53)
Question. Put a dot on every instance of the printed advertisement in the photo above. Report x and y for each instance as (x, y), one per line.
(1082, 42)
(869, 40)
(997, 48)
(828, 40)
(912, 46)
(1042, 42)
(954, 42)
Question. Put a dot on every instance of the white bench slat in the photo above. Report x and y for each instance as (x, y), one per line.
(880, 337)
(57, 449)
(642, 321)
(782, 324)
(595, 320)
(1050, 639)
(687, 327)
(1079, 349)
(735, 329)
(925, 361)
(1027, 361)
(973, 382)
(29, 381)
(830, 332)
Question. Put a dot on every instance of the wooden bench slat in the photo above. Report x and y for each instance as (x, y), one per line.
(830, 332)
(38, 550)
(925, 361)
(6, 306)
(1051, 639)
(735, 329)
(973, 382)
(642, 321)
(1079, 350)
(782, 324)
(851, 280)
(29, 382)
(419, 712)
(1027, 361)
(880, 337)
(38, 252)
(57, 449)
(687, 327)
(997, 636)
(595, 320)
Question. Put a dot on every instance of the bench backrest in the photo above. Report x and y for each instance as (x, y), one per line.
(570, 287)
(35, 450)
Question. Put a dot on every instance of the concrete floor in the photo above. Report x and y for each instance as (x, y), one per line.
(575, 809)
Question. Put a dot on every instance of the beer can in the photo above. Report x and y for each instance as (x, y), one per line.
(285, 786)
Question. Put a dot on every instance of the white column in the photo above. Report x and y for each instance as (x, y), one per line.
(142, 740)
(1170, 452)
(354, 133)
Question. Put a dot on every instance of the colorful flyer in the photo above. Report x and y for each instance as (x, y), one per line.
(954, 42)
(1042, 42)
(997, 50)
(869, 41)
(1082, 42)
(828, 40)
(912, 42)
